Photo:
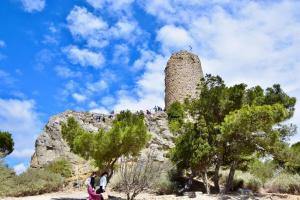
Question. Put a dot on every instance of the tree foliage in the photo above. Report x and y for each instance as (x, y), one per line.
(6, 144)
(176, 116)
(230, 124)
(250, 130)
(127, 137)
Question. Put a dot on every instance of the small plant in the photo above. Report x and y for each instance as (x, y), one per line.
(284, 183)
(7, 180)
(31, 182)
(243, 180)
(37, 181)
(134, 177)
(262, 170)
(60, 166)
(164, 185)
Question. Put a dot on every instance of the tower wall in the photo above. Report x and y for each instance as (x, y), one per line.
(182, 75)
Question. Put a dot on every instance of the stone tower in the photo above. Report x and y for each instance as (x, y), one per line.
(182, 75)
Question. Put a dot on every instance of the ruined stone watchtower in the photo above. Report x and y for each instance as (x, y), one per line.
(182, 75)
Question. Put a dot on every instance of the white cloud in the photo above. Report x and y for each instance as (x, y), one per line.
(174, 38)
(66, 72)
(145, 56)
(112, 5)
(20, 118)
(96, 86)
(6, 78)
(79, 97)
(20, 168)
(87, 26)
(108, 100)
(149, 91)
(2, 44)
(100, 110)
(121, 54)
(93, 104)
(33, 5)
(124, 29)
(24, 153)
(84, 57)
(96, 3)
(83, 23)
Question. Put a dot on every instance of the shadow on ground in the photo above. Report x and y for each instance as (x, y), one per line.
(64, 198)
(109, 198)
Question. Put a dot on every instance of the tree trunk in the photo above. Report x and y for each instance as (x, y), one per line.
(217, 177)
(230, 177)
(205, 181)
(111, 169)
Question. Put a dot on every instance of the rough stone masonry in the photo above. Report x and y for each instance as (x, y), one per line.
(182, 75)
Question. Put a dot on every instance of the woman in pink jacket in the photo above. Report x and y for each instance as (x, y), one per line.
(93, 195)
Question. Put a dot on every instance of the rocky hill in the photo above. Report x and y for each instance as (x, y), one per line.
(50, 145)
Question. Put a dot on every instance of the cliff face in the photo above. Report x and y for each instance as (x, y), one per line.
(50, 145)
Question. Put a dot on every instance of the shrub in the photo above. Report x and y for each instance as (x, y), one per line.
(242, 180)
(164, 185)
(60, 166)
(136, 176)
(262, 170)
(284, 183)
(7, 180)
(31, 182)
(37, 181)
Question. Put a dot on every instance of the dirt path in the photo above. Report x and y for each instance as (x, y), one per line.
(82, 195)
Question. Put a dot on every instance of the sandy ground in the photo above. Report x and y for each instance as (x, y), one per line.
(82, 195)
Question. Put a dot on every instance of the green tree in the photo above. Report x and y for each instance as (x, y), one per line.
(192, 151)
(176, 116)
(250, 130)
(6, 144)
(127, 137)
(208, 111)
(288, 157)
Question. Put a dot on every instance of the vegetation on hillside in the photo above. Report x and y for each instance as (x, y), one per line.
(33, 181)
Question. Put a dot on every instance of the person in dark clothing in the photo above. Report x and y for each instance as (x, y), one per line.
(92, 180)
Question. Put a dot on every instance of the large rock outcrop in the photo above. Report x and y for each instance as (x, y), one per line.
(50, 145)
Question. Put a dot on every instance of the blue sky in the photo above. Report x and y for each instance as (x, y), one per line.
(103, 55)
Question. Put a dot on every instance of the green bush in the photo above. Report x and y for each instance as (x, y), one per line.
(31, 182)
(175, 116)
(284, 183)
(242, 180)
(7, 180)
(262, 170)
(60, 166)
(164, 185)
(37, 181)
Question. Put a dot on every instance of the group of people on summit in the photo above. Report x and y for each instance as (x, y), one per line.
(96, 194)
